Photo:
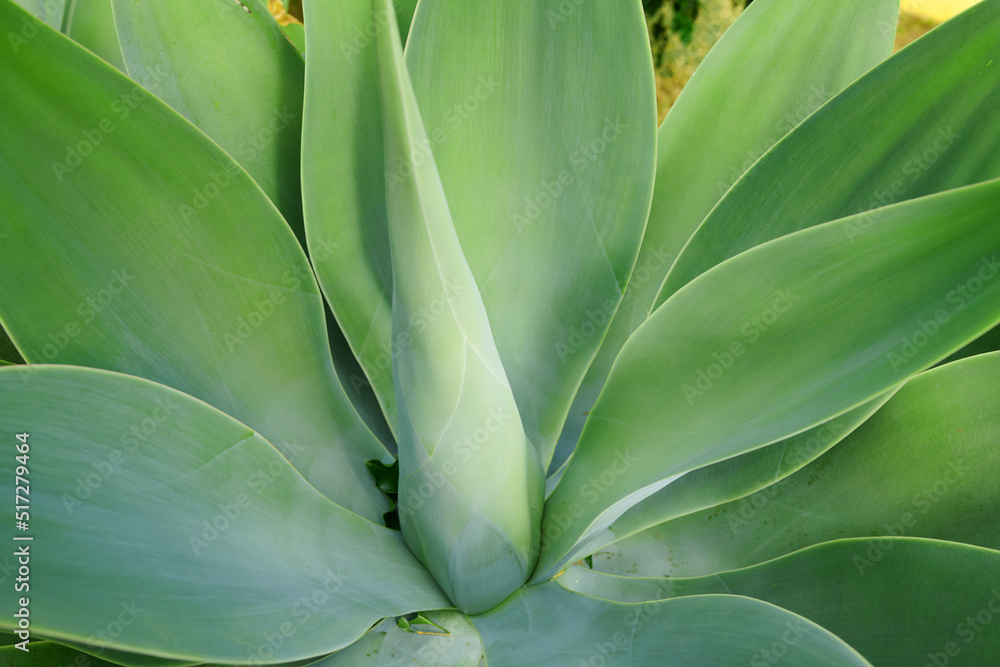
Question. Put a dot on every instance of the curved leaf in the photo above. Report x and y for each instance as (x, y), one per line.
(923, 122)
(897, 600)
(172, 532)
(227, 67)
(93, 26)
(541, 119)
(548, 625)
(729, 479)
(774, 66)
(344, 186)
(241, 324)
(924, 465)
(453, 642)
(777, 340)
(460, 435)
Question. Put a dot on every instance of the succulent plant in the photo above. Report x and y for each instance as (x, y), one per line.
(426, 346)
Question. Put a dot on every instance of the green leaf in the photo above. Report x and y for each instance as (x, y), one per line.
(922, 122)
(93, 26)
(52, 12)
(93, 241)
(249, 99)
(549, 625)
(548, 176)
(171, 533)
(470, 482)
(49, 654)
(730, 479)
(451, 641)
(924, 465)
(897, 600)
(775, 65)
(777, 340)
(344, 188)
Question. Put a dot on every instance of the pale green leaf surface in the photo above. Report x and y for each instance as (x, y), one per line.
(386, 645)
(234, 75)
(776, 64)
(93, 25)
(899, 601)
(92, 246)
(730, 479)
(541, 119)
(459, 433)
(53, 12)
(777, 340)
(548, 625)
(344, 185)
(217, 520)
(924, 121)
(924, 465)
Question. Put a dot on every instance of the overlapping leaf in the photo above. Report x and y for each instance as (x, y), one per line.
(750, 91)
(810, 326)
(541, 120)
(899, 601)
(924, 465)
(924, 121)
(134, 243)
(225, 553)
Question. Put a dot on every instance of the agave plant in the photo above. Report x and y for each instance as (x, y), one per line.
(630, 396)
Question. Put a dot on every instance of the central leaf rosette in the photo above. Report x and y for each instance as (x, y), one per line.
(471, 483)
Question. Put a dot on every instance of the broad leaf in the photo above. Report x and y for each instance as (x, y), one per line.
(777, 340)
(470, 482)
(897, 600)
(729, 479)
(541, 119)
(343, 180)
(103, 268)
(924, 465)
(168, 533)
(924, 121)
(227, 67)
(777, 64)
(549, 625)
